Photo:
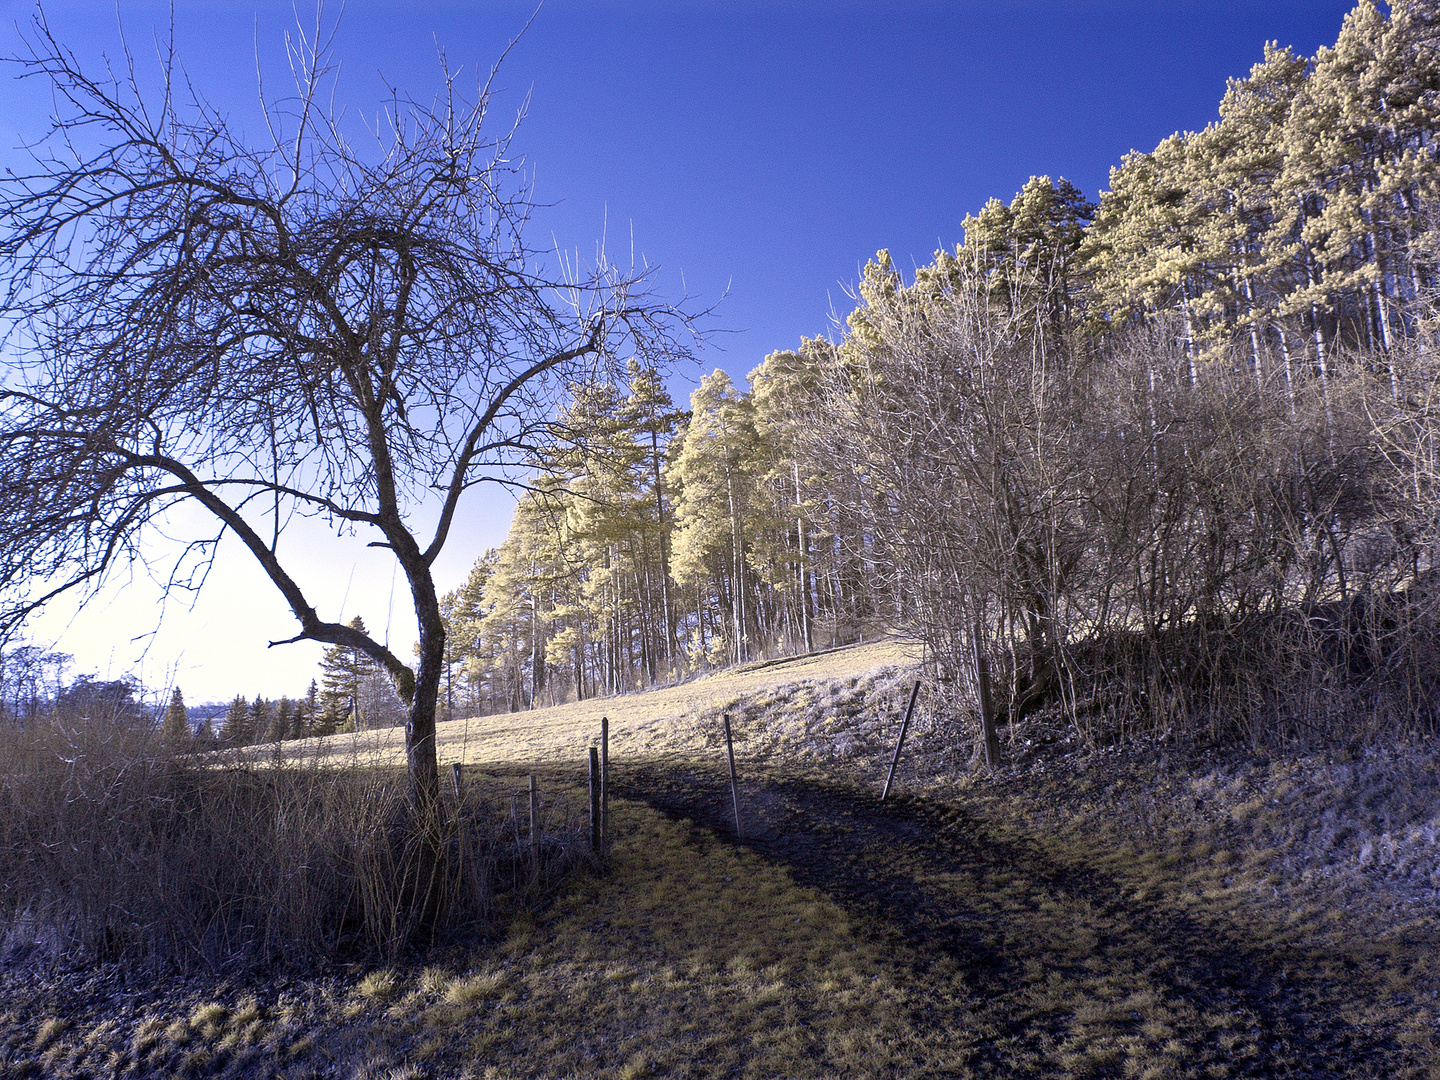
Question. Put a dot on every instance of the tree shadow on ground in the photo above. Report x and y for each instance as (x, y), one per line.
(1078, 968)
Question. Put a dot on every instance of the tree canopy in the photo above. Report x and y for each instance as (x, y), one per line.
(1082, 450)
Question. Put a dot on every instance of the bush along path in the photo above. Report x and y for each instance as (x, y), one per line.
(1075, 963)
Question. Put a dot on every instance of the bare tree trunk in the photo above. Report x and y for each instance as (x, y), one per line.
(738, 564)
(984, 700)
(804, 565)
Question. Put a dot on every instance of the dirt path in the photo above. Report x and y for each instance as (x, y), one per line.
(1065, 956)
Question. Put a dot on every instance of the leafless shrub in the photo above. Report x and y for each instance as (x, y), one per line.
(1134, 536)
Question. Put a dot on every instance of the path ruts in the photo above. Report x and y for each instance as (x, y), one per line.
(1012, 918)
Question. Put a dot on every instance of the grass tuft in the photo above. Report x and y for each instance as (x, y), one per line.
(379, 985)
(473, 989)
(48, 1032)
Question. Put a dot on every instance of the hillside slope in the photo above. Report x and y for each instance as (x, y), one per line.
(670, 720)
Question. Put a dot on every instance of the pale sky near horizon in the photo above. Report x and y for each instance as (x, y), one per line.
(766, 150)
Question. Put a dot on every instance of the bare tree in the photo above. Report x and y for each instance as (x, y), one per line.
(955, 425)
(308, 328)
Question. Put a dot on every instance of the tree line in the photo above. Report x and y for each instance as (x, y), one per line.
(351, 693)
(652, 542)
(1162, 459)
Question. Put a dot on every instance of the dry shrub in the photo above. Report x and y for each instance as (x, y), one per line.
(114, 847)
(1360, 671)
(1130, 536)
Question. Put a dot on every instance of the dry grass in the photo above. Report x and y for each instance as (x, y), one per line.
(114, 848)
(1137, 914)
(692, 958)
(670, 720)
(695, 958)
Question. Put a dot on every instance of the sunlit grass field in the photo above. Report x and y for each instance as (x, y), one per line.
(671, 720)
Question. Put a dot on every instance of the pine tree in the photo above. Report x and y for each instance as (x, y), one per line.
(258, 722)
(307, 713)
(652, 415)
(783, 389)
(343, 671)
(237, 730)
(176, 728)
(281, 720)
(715, 471)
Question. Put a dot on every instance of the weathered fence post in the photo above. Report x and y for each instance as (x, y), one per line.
(904, 727)
(534, 823)
(594, 799)
(605, 783)
(734, 786)
(462, 840)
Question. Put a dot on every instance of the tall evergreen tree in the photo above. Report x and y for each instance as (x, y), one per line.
(343, 670)
(281, 720)
(237, 730)
(715, 471)
(307, 713)
(176, 726)
(258, 721)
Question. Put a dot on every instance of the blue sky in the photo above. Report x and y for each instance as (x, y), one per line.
(767, 149)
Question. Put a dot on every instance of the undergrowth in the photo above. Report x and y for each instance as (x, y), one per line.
(691, 958)
(115, 848)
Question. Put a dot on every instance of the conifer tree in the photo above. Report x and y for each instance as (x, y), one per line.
(237, 730)
(784, 389)
(281, 721)
(176, 728)
(258, 721)
(343, 670)
(307, 713)
(464, 634)
(715, 471)
(651, 415)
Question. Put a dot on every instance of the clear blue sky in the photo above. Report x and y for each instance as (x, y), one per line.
(764, 148)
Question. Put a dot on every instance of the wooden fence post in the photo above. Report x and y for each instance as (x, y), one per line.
(734, 786)
(904, 726)
(534, 823)
(455, 776)
(594, 799)
(604, 783)
(986, 702)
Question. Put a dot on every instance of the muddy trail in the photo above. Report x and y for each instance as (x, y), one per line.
(1053, 954)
